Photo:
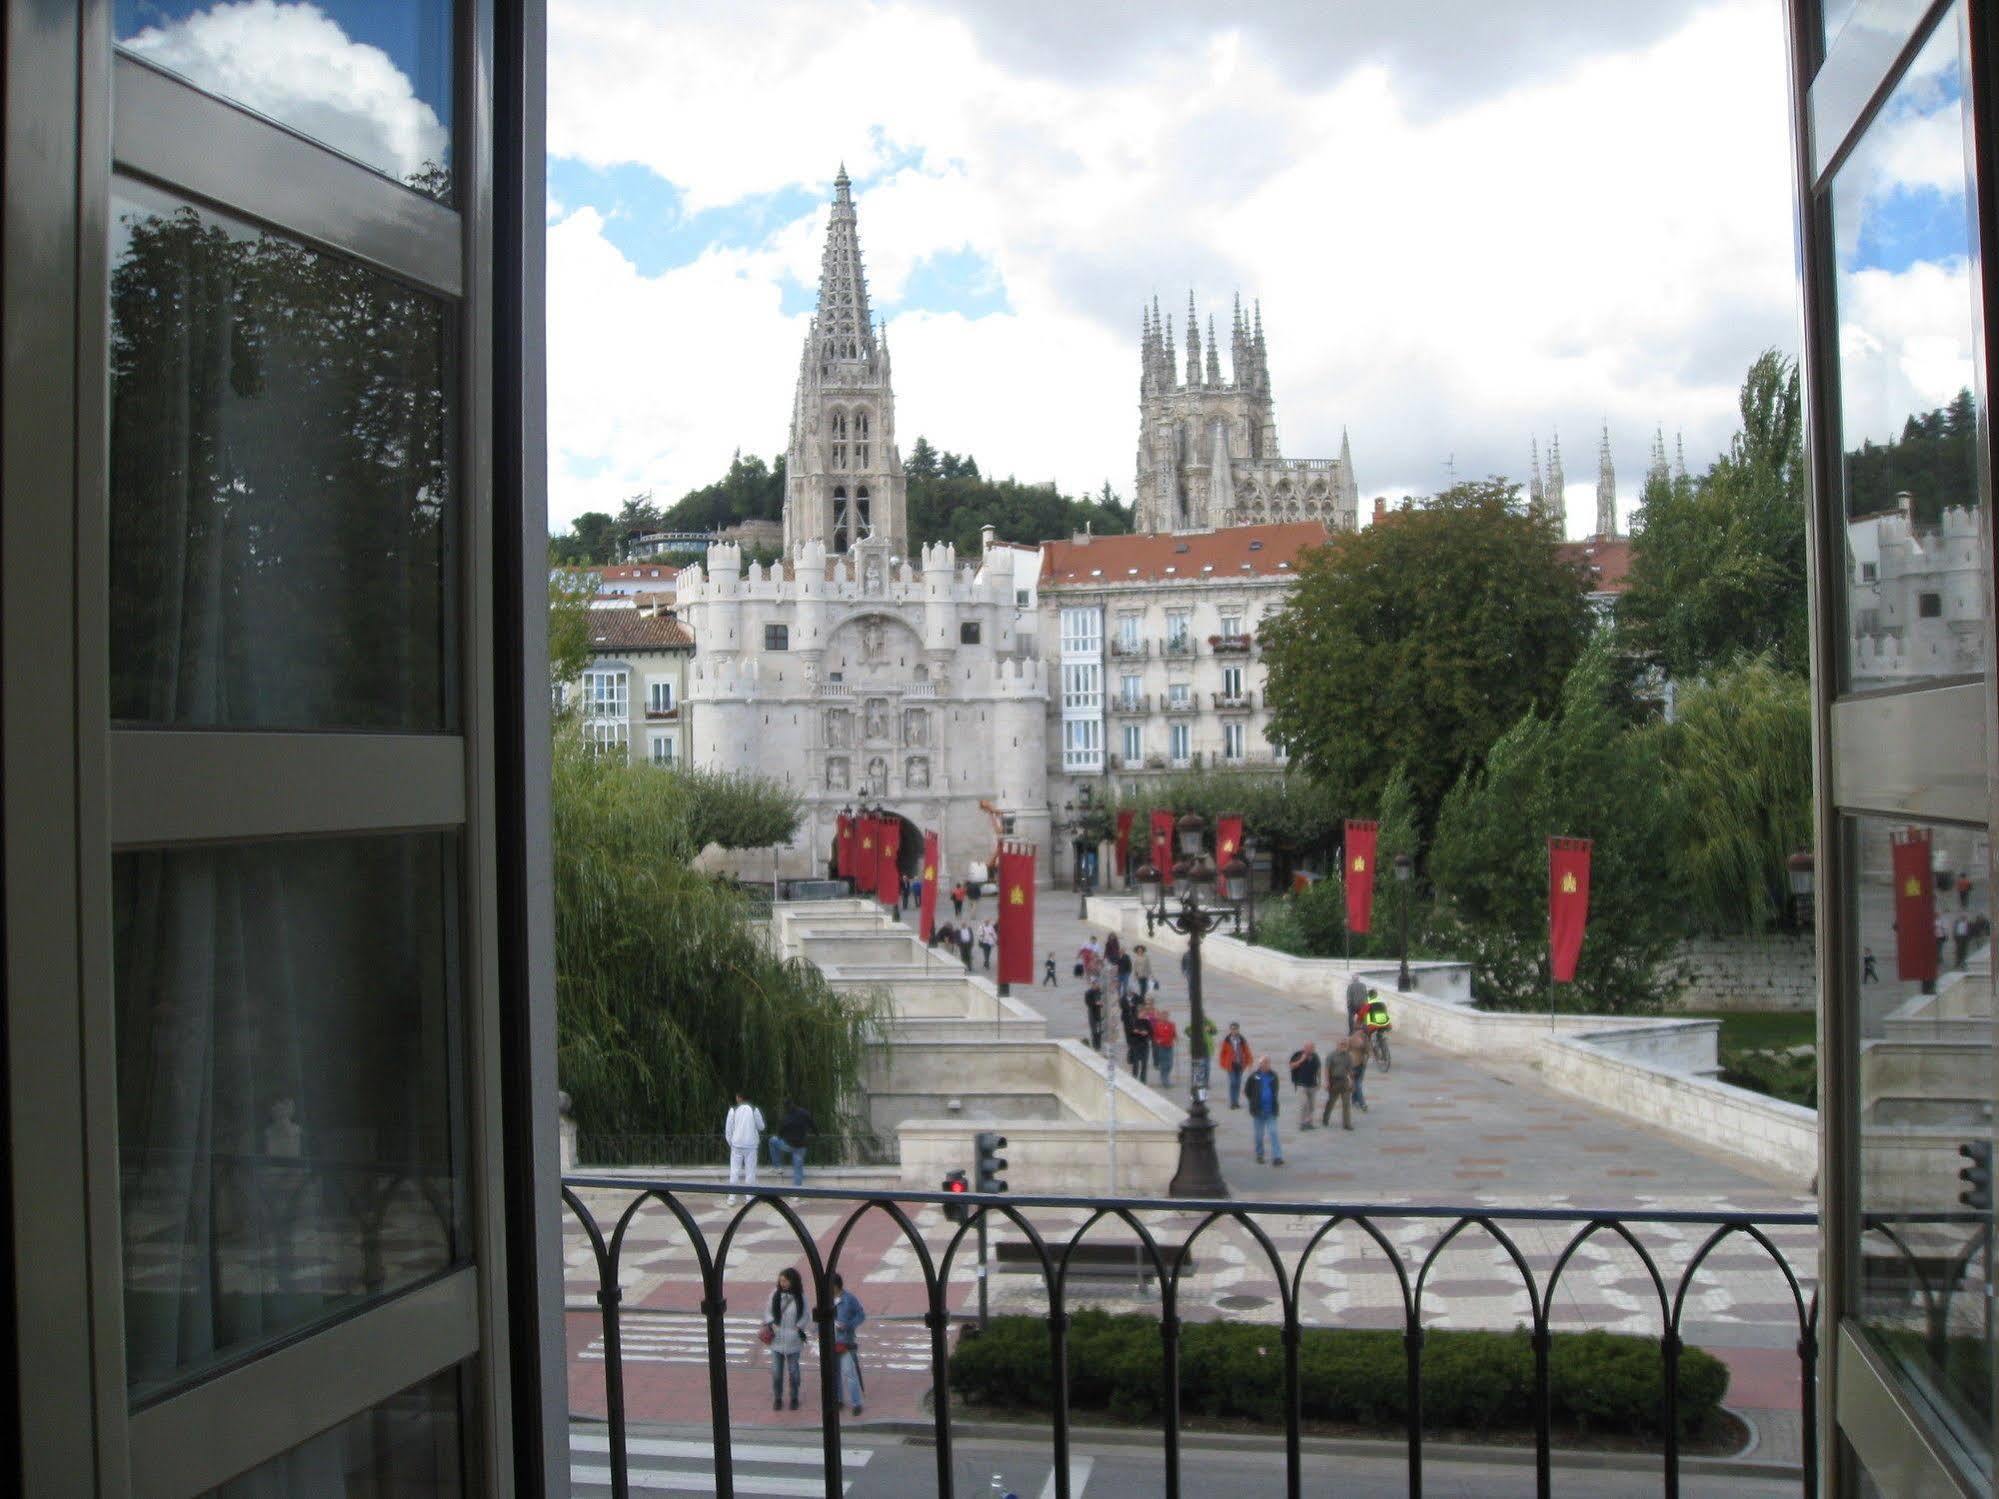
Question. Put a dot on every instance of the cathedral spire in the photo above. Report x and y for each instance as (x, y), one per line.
(843, 325)
(1606, 487)
(1680, 457)
(1262, 354)
(1193, 343)
(1656, 472)
(1558, 484)
(1537, 495)
(1214, 354)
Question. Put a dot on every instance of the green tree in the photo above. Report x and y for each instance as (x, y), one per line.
(922, 460)
(1718, 564)
(1583, 772)
(591, 541)
(1418, 641)
(1289, 816)
(569, 627)
(1737, 762)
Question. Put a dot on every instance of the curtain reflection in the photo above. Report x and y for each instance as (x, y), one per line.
(408, 1447)
(280, 515)
(286, 1088)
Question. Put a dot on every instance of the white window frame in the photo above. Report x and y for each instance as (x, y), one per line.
(1232, 739)
(1180, 742)
(659, 695)
(1134, 743)
(665, 749)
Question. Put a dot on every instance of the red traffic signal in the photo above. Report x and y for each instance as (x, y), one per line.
(954, 1181)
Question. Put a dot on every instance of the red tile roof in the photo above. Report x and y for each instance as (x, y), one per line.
(1254, 551)
(629, 630)
(1607, 557)
(637, 572)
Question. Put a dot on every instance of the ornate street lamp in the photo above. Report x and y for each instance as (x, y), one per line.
(1802, 868)
(1405, 870)
(1196, 908)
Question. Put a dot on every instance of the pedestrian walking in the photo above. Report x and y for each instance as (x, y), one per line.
(1941, 932)
(1141, 970)
(742, 1128)
(965, 944)
(1339, 1086)
(1093, 1008)
(958, 899)
(1138, 1044)
(988, 940)
(1048, 979)
(1356, 1002)
(1356, 1045)
(1113, 949)
(784, 1329)
(788, 1140)
(1963, 889)
(1264, 1102)
(1305, 1078)
(1960, 936)
(1235, 1061)
(1086, 961)
(1123, 973)
(1187, 963)
(1868, 973)
(1204, 1048)
(848, 1315)
(1164, 1034)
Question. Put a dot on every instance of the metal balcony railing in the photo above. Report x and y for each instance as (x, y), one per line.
(1128, 650)
(1135, 702)
(1187, 704)
(1235, 702)
(1047, 1234)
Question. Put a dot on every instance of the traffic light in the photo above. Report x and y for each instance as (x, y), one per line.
(954, 1181)
(1977, 1177)
(989, 1163)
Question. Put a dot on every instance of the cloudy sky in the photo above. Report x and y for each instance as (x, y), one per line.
(1469, 225)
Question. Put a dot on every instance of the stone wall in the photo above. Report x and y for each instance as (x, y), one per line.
(1748, 973)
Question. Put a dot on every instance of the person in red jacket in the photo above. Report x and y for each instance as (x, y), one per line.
(1164, 1034)
(1236, 1061)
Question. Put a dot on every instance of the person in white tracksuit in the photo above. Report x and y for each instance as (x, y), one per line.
(743, 1128)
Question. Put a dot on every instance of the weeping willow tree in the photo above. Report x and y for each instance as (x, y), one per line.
(1738, 761)
(669, 995)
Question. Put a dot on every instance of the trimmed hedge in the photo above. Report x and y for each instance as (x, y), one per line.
(1472, 1381)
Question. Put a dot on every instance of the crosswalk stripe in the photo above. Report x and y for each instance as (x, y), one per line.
(681, 1481)
(852, 1457)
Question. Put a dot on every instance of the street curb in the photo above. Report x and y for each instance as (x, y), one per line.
(925, 1433)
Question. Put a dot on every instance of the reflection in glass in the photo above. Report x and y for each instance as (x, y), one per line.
(1920, 952)
(370, 78)
(286, 1087)
(280, 487)
(1914, 602)
(408, 1447)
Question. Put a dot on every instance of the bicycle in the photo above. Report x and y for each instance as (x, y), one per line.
(1377, 1046)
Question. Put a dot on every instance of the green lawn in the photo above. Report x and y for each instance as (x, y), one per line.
(1763, 1030)
(1744, 1032)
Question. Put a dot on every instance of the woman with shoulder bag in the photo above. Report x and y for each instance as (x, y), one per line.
(784, 1333)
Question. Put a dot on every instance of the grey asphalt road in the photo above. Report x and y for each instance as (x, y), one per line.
(882, 1466)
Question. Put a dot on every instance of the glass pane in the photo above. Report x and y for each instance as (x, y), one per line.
(287, 1087)
(411, 1446)
(281, 502)
(370, 78)
(1914, 602)
(1920, 945)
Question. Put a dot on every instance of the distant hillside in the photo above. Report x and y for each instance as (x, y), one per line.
(949, 500)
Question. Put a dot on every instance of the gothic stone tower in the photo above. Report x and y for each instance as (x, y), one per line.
(843, 475)
(1207, 448)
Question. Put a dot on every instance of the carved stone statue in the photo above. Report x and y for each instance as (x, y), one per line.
(838, 727)
(915, 727)
(877, 777)
(916, 775)
(873, 577)
(877, 718)
(836, 773)
(874, 639)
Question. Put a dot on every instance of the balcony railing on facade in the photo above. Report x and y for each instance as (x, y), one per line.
(1235, 702)
(1231, 645)
(1186, 704)
(1177, 645)
(1292, 1250)
(1132, 702)
(1129, 650)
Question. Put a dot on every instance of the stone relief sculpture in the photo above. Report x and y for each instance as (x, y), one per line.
(915, 727)
(877, 777)
(916, 774)
(873, 580)
(874, 639)
(877, 718)
(836, 773)
(838, 726)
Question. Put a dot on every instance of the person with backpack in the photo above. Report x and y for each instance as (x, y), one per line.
(848, 1315)
(1235, 1061)
(1305, 1078)
(742, 1129)
(1264, 1102)
(784, 1333)
(788, 1140)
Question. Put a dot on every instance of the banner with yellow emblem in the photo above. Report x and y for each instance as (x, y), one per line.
(1568, 904)
(1357, 866)
(1016, 916)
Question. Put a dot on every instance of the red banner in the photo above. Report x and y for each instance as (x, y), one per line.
(1161, 854)
(1915, 906)
(1228, 840)
(1568, 904)
(926, 906)
(868, 832)
(888, 869)
(1357, 865)
(1016, 915)
(1124, 821)
(843, 847)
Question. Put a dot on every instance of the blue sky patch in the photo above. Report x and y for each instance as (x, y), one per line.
(1906, 226)
(962, 281)
(646, 219)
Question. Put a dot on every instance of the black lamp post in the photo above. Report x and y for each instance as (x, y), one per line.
(1201, 909)
(1247, 857)
(1405, 869)
(1803, 875)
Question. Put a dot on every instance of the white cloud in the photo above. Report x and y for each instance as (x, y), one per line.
(1440, 277)
(293, 63)
(1904, 345)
